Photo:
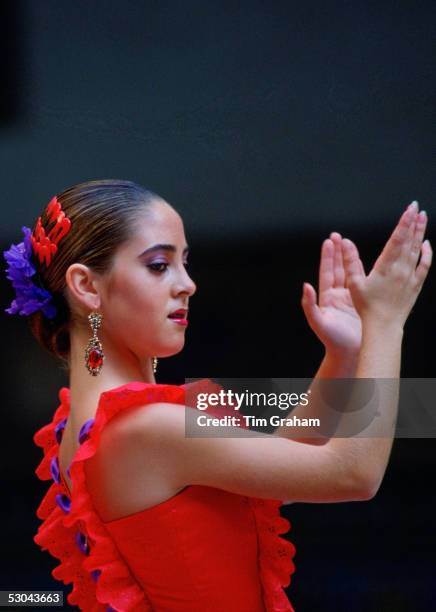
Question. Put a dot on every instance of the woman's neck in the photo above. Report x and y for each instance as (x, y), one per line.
(117, 370)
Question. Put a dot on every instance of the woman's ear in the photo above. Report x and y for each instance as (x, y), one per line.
(82, 286)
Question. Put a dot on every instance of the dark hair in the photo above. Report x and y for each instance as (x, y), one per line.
(103, 215)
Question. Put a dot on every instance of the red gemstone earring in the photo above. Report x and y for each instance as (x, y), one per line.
(94, 355)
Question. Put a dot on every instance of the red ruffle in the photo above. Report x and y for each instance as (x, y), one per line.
(101, 578)
(275, 553)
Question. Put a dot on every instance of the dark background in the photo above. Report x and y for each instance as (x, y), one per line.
(267, 125)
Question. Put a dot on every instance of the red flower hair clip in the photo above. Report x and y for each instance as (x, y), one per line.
(45, 246)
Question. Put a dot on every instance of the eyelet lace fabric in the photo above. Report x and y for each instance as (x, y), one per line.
(275, 553)
(73, 533)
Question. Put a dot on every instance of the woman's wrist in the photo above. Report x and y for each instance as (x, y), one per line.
(340, 362)
(380, 356)
(382, 325)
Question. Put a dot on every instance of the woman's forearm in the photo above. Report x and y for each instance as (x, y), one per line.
(379, 362)
(341, 365)
(362, 434)
(333, 366)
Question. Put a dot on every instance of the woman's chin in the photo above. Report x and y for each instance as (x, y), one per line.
(169, 351)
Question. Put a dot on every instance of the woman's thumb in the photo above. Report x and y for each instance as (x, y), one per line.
(308, 303)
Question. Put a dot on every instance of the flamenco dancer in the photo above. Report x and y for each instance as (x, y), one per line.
(141, 517)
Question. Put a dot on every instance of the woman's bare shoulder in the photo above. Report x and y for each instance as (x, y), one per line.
(125, 476)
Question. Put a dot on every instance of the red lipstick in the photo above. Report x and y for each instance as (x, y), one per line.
(179, 316)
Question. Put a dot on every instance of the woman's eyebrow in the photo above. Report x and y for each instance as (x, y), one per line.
(163, 247)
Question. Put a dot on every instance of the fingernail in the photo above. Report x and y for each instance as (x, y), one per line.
(413, 205)
(423, 214)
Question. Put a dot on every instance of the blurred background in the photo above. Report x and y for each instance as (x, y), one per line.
(267, 125)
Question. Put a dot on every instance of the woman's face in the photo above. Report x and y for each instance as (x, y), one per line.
(148, 282)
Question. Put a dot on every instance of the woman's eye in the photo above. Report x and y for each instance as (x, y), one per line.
(161, 266)
(158, 266)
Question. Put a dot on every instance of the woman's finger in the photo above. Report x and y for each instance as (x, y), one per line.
(310, 306)
(424, 264)
(405, 255)
(352, 265)
(326, 271)
(338, 263)
(421, 224)
(393, 249)
(362, 269)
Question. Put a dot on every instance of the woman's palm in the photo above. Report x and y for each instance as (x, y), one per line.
(340, 322)
(334, 318)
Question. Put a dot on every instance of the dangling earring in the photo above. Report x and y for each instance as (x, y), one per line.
(94, 355)
(154, 364)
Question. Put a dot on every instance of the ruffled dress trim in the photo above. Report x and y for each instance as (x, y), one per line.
(275, 553)
(73, 532)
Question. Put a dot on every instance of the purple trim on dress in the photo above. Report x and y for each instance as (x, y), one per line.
(64, 502)
(82, 542)
(95, 574)
(84, 430)
(59, 430)
(54, 469)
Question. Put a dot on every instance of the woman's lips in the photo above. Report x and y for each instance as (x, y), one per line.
(183, 322)
(179, 316)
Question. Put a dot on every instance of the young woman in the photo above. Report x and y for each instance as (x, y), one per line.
(141, 516)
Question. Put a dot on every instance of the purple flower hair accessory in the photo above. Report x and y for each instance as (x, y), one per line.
(29, 297)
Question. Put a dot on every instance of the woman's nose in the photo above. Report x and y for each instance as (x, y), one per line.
(185, 284)
(193, 287)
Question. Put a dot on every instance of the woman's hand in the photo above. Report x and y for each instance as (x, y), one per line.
(334, 318)
(388, 293)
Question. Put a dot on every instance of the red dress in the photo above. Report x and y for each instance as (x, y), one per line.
(202, 550)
